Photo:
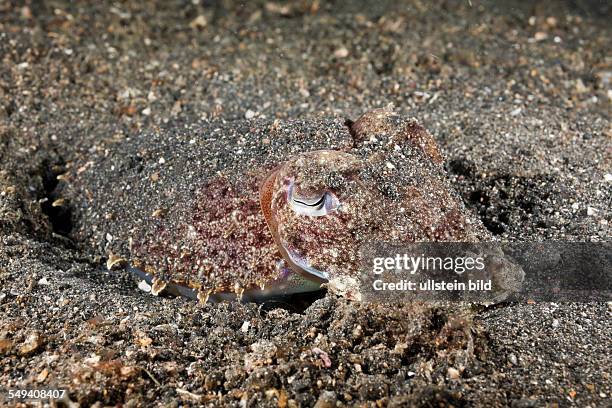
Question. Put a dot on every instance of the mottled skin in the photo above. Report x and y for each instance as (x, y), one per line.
(395, 193)
(275, 221)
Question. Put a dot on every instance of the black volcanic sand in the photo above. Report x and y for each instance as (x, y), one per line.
(517, 95)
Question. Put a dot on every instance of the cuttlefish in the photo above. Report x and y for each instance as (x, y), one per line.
(258, 208)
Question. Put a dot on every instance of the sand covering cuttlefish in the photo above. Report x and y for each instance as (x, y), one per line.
(257, 209)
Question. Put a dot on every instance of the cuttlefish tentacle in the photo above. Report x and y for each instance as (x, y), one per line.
(304, 279)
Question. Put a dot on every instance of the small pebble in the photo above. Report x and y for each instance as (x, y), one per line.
(453, 373)
(144, 286)
(327, 399)
(540, 36)
(341, 52)
(245, 326)
(199, 22)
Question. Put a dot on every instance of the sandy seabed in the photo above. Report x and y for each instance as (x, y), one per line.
(517, 95)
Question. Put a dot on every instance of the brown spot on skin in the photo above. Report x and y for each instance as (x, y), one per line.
(265, 199)
(375, 121)
(421, 138)
(384, 121)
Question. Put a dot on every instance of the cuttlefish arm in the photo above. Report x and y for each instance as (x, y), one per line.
(294, 278)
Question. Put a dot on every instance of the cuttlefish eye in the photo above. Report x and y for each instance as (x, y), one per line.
(315, 206)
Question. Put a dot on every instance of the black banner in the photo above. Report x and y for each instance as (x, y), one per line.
(487, 272)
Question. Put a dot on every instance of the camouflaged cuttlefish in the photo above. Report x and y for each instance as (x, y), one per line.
(259, 208)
